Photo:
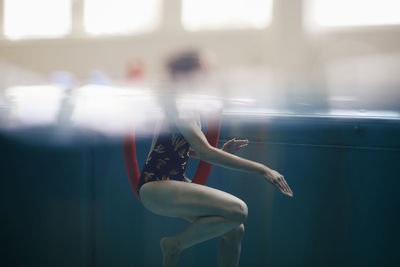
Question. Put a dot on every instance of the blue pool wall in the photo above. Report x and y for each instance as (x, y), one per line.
(71, 204)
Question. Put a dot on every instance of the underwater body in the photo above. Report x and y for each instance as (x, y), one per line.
(67, 200)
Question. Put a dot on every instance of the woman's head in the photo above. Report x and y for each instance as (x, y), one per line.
(187, 64)
(191, 82)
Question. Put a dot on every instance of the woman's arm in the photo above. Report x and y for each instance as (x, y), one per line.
(206, 152)
(203, 150)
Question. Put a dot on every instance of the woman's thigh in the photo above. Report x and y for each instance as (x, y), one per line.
(185, 200)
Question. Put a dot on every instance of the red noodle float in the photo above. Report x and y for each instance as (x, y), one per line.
(203, 170)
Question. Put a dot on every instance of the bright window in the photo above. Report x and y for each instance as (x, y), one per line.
(225, 14)
(36, 18)
(121, 16)
(337, 13)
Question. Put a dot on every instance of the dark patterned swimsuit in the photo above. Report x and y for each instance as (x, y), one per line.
(167, 160)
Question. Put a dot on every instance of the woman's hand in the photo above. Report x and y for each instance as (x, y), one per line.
(278, 181)
(234, 145)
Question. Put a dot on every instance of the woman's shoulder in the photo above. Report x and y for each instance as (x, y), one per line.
(168, 125)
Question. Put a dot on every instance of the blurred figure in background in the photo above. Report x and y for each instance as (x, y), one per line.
(186, 64)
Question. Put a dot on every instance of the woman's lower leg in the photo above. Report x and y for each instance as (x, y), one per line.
(203, 229)
(230, 247)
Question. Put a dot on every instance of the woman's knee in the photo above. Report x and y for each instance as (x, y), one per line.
(239, 212)
(239, 231)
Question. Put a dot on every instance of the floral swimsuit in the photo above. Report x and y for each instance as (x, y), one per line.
(167, 160)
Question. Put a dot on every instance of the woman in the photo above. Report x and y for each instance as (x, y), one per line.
(165, 190)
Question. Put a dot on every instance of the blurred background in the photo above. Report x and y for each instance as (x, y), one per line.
(313, 84)
(306, 56)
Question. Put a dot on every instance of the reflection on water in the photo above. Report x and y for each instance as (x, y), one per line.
(348, 87)
(112, 110)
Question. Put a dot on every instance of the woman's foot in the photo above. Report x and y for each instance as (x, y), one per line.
(170, 250)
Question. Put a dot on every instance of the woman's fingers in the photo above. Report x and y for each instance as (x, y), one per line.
(283, 186)
(279, 186)
(230, 142)
(287, 188)
(238, 141)
(233, 145)
(278, 181)
(239, 144)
